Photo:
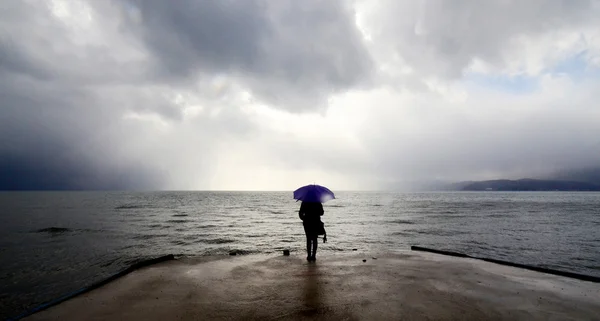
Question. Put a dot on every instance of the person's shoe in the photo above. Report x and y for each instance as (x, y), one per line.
(309, 258)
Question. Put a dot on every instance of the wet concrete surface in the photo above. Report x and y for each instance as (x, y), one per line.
(400, 286)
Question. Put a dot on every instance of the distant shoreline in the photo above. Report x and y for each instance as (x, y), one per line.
(525, 185)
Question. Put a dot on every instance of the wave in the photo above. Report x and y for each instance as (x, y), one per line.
(108, 263)
(148, 236)
(497, 215)
(242, 252)
(442, 232)
(489, 204)
(54, 230)
(179, 215)
(446, 216)
(431, 232)
(133, 206)
(61, 230)
(218, 241)
(440, 212)
(402, 234)
(338, 249)
(178, 221)
(401, 222)
(207, 226)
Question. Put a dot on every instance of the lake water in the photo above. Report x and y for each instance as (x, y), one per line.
(52, 243)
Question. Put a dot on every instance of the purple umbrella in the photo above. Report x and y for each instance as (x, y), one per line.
(313, 193)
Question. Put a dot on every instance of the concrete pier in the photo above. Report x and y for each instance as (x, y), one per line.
(400, 286)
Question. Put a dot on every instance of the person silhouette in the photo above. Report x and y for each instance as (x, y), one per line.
(310, 213)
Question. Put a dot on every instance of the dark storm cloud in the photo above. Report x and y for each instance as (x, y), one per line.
(43, 170)
(292, 54)
(47, 139)
(68, 76)
(51, 120)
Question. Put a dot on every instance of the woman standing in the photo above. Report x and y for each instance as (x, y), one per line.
(310, 213)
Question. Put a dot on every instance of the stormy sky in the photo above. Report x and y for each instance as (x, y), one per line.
(272, 95)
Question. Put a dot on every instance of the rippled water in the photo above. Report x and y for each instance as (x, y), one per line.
(55, 242)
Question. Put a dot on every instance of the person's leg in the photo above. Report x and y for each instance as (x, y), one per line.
(308, 239)
(314, 247)
(308, 245)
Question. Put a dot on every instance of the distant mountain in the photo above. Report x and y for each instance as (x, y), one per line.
(526, 184)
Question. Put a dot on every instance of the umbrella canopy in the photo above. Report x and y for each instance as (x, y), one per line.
(313, 193)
